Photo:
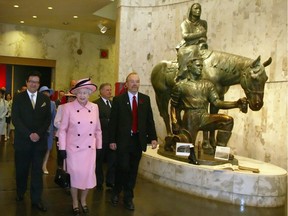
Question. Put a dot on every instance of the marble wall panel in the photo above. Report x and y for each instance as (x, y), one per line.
(62, 46)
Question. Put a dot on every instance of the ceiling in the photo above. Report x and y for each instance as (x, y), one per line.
(90, 13)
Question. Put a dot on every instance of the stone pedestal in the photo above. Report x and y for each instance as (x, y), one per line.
(224, 182)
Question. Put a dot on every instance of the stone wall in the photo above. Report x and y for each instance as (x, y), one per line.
(62, 46)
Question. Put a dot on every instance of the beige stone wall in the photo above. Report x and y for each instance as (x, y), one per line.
(150, 31)
(62, 46)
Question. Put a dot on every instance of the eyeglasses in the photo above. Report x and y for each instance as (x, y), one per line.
(33, 82)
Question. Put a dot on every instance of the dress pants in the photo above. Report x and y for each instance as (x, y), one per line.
(24, 160)
(127, 169)
(105, 155)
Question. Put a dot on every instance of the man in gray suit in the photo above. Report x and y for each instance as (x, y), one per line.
(105, 154)
(31, 117)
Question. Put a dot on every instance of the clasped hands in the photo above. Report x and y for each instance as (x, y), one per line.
(34, 137)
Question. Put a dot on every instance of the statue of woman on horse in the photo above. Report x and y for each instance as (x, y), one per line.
(220, 68)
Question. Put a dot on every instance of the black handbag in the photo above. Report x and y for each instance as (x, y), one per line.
(62, 178)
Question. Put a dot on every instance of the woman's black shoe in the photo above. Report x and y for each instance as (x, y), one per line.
(84, 208)
(76, 211)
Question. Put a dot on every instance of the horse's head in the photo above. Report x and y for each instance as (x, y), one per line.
(253, 82)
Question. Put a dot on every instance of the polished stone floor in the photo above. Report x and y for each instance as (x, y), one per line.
(150, 199)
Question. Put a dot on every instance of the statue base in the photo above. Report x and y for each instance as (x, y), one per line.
(202, 157)
(267, 188)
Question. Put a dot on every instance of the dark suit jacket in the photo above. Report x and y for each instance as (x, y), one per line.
(28, 120)
(121, 122)
(104, 115)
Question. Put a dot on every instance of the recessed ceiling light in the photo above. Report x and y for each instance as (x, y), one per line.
(16, 6)
(22, 21)
(50, 8)
(35, 17)
(75, 17)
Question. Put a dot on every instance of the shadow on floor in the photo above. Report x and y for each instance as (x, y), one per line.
(150, 199)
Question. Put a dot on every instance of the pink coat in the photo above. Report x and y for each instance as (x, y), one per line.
(80, 135)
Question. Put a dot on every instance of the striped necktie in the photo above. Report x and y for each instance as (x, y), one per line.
(32, 100)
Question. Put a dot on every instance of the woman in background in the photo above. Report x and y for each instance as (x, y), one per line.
(8, 116)
(48, 92)
(3, 112)
(57, 121)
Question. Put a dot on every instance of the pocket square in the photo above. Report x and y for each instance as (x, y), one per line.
(44, 104)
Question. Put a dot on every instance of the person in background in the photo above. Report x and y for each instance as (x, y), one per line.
(61, 94)
(23, 88)
(8, 116)
(31, 116)
(57, 121)
(131, 127)
(48, 92)
(105, 154)
(79, 137)
(73, 83)
(3, 112)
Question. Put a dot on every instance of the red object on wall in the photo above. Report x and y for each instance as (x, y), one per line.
(120, 88)
(2, 75)
(104, 53)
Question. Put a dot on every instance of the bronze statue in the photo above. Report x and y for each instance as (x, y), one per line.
(194, 34)
(223, 70)
(193, 95)
(219, 68)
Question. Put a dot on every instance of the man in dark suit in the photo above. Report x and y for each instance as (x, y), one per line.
(31, 117)
(131, 127)
(105, 154)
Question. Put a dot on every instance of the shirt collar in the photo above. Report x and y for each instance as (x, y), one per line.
(131, 95)
(30, 93)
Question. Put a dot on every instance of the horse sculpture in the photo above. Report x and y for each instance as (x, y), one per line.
(224, 70)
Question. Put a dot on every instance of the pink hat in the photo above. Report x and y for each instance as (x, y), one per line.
(84, 83)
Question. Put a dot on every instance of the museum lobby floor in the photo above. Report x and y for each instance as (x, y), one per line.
(150, 199)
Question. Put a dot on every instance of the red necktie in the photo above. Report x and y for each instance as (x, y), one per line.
(135, 115)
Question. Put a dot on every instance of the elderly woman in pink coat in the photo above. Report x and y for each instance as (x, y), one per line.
(79, 136)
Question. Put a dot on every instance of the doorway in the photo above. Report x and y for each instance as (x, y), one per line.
(14, 71)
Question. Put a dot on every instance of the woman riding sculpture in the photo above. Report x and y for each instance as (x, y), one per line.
(194, 34)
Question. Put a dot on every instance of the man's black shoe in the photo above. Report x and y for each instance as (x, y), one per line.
(99, 187)
(39, 206)
(114, 200)
(19, 198)
(109, 185)
(129, 205)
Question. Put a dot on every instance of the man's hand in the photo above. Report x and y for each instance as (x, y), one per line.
(113, 146)
(243, 104)
(34, 137)
(154, 144)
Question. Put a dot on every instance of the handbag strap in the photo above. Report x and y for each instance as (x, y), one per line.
(64, 165)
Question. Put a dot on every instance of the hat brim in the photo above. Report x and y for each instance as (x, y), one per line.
(92, 87)
(47, 90)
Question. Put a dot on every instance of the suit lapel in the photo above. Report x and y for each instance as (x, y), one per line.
(106, 109)
(140, 103)
(127, 102)
(28, 99)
